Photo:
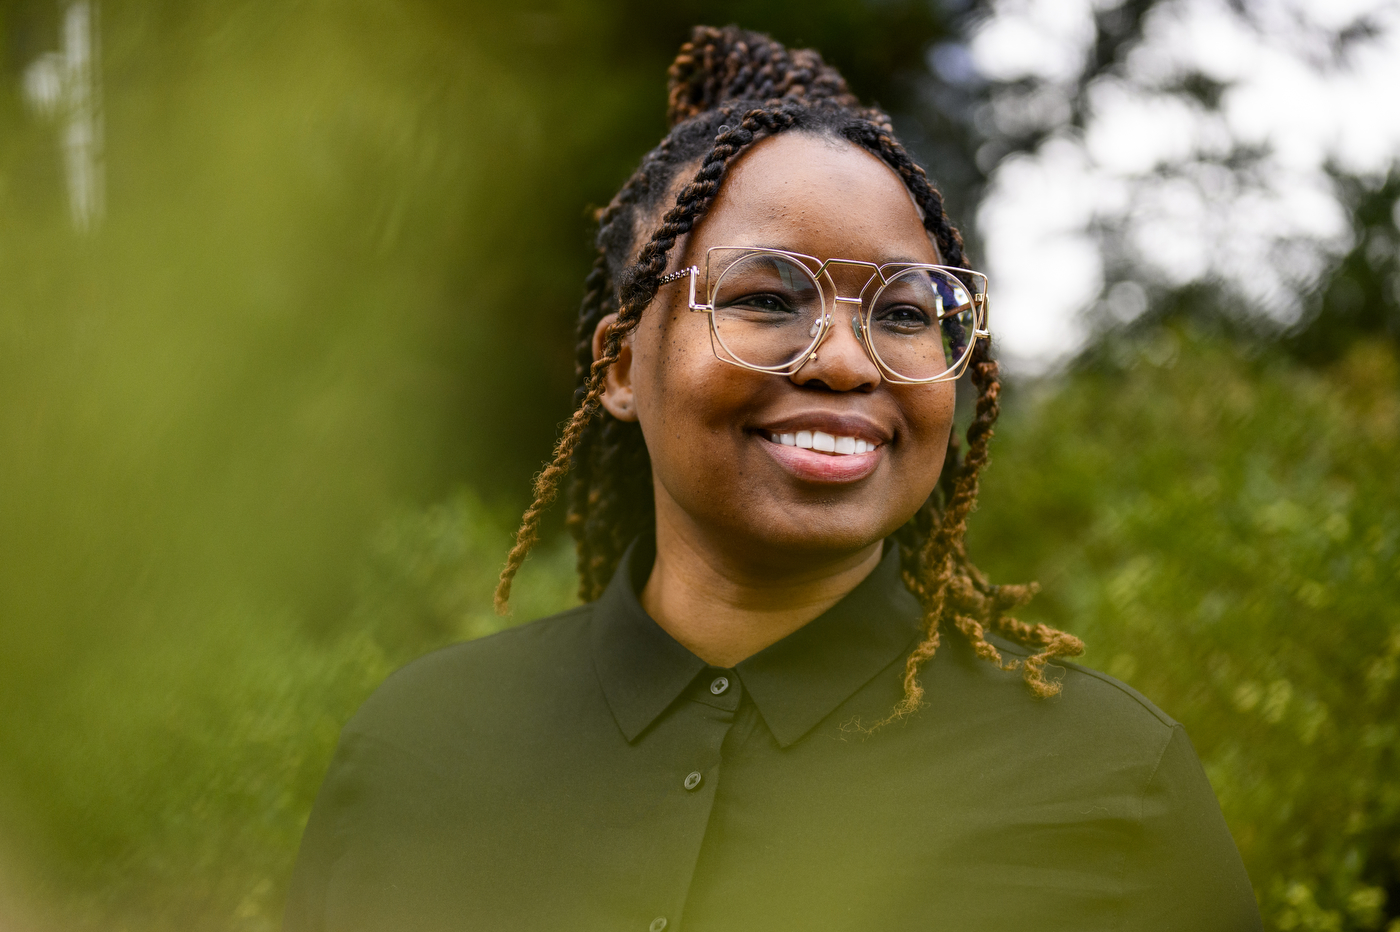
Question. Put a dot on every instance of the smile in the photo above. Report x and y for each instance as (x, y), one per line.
(823, 442)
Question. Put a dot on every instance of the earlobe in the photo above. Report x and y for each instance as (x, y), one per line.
(618, 398)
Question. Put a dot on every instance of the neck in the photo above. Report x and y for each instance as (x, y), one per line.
(724, 607)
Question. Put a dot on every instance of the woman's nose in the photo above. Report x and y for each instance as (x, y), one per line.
(840, 362)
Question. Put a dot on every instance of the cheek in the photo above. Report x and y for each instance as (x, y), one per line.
(930, 410)
(677, 377)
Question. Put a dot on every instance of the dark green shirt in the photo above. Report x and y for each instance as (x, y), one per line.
(587, 772)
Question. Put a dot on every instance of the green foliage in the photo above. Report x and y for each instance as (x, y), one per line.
(1222, 527)
(168, 784)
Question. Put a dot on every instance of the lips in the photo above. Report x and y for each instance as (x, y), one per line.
(825, 448)
(813, 466)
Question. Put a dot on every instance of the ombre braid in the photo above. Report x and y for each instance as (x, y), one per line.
(728, 88)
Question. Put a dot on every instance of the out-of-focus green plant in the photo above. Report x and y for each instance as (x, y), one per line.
(173, 780)
(1222, 526)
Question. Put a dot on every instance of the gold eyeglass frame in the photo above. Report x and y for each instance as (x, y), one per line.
(817, 269)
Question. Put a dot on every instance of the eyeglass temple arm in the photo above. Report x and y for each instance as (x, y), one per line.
(694, 273)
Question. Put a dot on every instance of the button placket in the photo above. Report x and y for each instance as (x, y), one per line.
(698, 726)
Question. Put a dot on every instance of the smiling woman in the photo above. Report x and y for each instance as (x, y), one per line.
(810, 517)
(755, 721)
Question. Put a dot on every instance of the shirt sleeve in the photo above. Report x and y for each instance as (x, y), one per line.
(1184, 872)
(324, 841)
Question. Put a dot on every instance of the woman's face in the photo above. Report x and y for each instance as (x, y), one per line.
(712, 429)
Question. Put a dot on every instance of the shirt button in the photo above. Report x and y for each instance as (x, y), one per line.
(719, 685)
(692, 780)
(657, 924)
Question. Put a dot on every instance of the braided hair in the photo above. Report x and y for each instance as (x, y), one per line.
(728, 88)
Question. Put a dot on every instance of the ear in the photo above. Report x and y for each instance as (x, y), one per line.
(618, 397)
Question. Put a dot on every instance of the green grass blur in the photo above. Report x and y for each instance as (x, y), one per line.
(264, 432)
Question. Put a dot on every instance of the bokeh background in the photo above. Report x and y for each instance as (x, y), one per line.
(286, 292)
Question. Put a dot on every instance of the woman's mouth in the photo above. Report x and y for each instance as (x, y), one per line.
(817, 456)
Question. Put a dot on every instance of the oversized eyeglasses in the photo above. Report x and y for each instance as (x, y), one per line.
(770, 310)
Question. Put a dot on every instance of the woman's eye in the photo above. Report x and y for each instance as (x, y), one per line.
(904, 318)
(763, 303)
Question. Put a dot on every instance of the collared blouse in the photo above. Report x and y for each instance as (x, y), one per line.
(587, 772)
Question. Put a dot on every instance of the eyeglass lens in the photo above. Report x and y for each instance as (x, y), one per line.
(921, 322)
(768, 310)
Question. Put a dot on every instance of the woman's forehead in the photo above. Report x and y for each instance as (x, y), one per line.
(816, 195)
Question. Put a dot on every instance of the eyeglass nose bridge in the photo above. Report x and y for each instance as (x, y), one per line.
(853, 304)
(824, 326)
(856, 327)
(824, 271)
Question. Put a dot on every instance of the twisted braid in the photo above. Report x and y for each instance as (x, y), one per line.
(879, 139)
(620, 507)
(719, 65)
(597, 300)
(727, 89)
(950, 588)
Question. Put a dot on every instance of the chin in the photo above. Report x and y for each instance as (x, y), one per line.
(824, 535)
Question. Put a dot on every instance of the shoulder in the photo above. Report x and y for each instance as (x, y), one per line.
(1103, 711)
(483, 678)
(1095, 696)
(1102, 757)
(1095, 722)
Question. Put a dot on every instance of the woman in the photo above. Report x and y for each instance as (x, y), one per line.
(789, 702)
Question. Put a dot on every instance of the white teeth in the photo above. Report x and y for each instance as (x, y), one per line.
(824, 442)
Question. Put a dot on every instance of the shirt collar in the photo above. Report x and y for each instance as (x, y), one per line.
(795, 683)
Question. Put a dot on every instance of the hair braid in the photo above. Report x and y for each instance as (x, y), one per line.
(719, 65)
(596, 301)
(621, 504)
(727, 89)
(951, 581)
(879, 139)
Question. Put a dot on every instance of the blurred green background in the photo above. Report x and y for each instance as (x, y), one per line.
(266, 425)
